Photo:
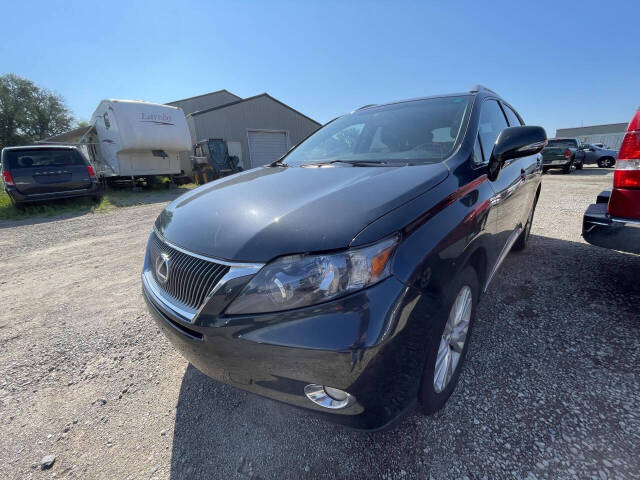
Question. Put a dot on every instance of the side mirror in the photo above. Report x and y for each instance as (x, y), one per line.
(515, 142)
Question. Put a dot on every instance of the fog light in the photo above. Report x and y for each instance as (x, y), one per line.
(328, 397)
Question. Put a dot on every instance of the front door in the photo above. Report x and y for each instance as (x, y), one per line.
(510, 197)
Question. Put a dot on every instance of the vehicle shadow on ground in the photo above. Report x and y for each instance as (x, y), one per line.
(70, 208)
(559, 313)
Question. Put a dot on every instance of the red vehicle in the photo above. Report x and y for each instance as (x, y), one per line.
(614, 220)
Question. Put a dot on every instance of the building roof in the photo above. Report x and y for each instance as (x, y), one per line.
(72, 136)
(592, 130)
(219, 107)
(224, 90)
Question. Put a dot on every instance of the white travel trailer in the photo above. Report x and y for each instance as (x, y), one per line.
(134, 139)
(130, 139)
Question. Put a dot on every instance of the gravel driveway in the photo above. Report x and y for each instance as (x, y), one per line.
(551, 388)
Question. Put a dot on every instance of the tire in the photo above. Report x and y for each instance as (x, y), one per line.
(198, 177)
(566, 170)
(522, 241)
(579, 166)
(19, 206)
(544, 170)
(435, 391)
(606, 162)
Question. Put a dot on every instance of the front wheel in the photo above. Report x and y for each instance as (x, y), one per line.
(566, 169)
(579, 166)
(449, 341)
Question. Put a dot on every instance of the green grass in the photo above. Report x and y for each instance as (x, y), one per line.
(112, 199)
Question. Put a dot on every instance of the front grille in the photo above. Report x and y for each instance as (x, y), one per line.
(189, 279)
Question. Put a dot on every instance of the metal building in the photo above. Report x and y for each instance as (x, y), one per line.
(202, 102)
(261, 127)
(610, 135)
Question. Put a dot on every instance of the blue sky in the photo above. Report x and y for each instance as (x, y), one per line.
(559, 63)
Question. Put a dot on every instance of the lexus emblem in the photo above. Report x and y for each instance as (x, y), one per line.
(162, 268)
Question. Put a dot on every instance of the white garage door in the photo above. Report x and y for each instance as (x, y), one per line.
(266, 147)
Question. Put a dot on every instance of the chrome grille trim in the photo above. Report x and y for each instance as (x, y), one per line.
(190, 278)
(193, 278)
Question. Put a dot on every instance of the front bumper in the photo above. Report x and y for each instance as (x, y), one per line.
(602, 230)
(370, 344)
(93, 190)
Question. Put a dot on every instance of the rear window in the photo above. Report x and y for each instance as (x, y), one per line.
(17, 159)
(562, 144)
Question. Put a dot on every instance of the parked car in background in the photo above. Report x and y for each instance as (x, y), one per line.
(562, 153)
(603, 157)
(344, 278)
(614, 220)
(34, 174)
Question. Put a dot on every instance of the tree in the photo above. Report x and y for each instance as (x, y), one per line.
(29, 113)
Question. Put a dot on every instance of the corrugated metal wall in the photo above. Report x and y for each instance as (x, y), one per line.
(260, 113)
(610, 140)
(611, 134)
(201, 102)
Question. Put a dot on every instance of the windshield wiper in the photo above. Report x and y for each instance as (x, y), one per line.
(278, 163)
(358, 163)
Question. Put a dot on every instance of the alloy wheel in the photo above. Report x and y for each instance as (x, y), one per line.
(453, 339)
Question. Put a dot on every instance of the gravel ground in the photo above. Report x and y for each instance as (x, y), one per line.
(551, 388)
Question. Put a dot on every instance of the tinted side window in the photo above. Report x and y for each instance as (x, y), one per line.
(492, 122)
(511, 116)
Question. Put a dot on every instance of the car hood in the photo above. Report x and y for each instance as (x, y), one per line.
(267, 212)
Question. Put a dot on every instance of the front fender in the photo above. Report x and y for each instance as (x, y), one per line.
(441, 232)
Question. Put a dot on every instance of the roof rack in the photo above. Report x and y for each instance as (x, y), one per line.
(477, 88)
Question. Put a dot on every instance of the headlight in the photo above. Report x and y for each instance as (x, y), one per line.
(300, 280)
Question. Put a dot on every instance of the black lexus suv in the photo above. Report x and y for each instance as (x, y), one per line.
(40, 173)
(344, 277)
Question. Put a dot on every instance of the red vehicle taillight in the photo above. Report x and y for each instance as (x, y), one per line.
(92, 172)
(7, 178)
(625, 197)
(567, 153)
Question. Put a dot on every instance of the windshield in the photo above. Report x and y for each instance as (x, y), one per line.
(562, 144)
(40, 157)
(419, 131)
